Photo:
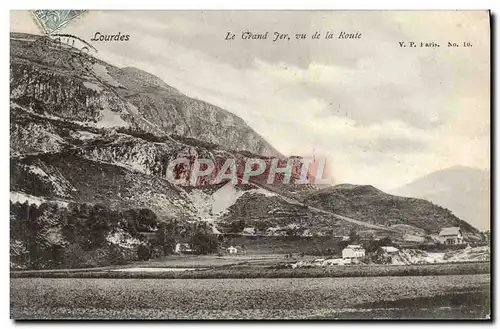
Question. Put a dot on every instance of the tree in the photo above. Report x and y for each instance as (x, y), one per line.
(69, 222)
(170, 239)
(98, 226)
(33, 229)
(166, 237)
(146, 220)
(18, 219)
(385, 241)
(343, 244)
(353, 236)
(294, 230)
(262, 226)
(143, 252)
(373, 245)
(487, 237)
(237, 226)
(203, 241)
(73, 256)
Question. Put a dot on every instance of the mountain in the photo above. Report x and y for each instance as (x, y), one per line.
(370, 205)
(463, 190)
(90, 145)
(49, 78)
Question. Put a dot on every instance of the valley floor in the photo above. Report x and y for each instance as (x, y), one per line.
(437, 297)
(251, 266)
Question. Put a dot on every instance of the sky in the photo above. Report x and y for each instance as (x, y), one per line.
(382, 114)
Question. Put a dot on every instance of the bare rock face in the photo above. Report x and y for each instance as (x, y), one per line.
(47, 80)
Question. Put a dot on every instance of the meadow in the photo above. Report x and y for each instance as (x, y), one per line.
(451, 296)
(246, 267)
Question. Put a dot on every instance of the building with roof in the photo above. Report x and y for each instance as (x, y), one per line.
(183, 248)
(232, 250)
(451, 235)
(249, 231)
(385, 254)
(389, 250)
(353, 251)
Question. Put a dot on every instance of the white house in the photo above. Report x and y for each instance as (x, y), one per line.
(451, 235)
(353, 251)
(249, 231)
(183, 247)
(389, 250)
(232, 250)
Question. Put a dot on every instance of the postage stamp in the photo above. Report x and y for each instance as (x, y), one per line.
(52, 21)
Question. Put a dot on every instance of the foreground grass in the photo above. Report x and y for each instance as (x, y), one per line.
(242, 272)
(469, 305)
(41, 298)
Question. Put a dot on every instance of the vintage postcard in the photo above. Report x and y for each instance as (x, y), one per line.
(250, 164)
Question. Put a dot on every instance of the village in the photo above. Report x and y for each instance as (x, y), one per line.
(447, 247)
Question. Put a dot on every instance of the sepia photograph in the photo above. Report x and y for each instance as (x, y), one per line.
(250, 165)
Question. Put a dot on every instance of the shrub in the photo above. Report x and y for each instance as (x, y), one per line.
(73, 256)
(143, 252)
(203, 241)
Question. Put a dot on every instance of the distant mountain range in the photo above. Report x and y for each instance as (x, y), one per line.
(463, 190)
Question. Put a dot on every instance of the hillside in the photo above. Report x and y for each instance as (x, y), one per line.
(463, 190)
(371, 205)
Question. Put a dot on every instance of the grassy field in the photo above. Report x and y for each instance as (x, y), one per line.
(451, 296)
(263, 268)
(204, 261)
(262, 245)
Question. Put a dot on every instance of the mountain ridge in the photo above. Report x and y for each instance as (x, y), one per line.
(43, 77)
(463, 190)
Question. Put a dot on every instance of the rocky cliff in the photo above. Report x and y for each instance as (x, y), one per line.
(46, 78)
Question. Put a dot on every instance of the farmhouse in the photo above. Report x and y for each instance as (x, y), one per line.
(232, 250)
(353, 251)
(451, 235)
(183, 248)
(249, 231)
(389, 250)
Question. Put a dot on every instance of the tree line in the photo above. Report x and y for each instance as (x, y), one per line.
(78, 235)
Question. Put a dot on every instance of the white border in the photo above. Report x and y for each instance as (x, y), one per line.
(256, 4)
(188, 4)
